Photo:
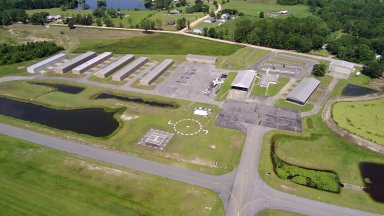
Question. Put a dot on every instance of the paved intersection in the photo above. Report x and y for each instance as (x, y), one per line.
(242, 191)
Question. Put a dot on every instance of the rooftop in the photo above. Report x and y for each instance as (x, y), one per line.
(304, 90)
(244, 79)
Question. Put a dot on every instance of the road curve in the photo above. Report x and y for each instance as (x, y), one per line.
(222, 185)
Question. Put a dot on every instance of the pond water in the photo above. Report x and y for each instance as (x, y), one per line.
(91, 121)
(373, 174)
(116, 4)
(136, 100)
(61, 87)
(356, 90)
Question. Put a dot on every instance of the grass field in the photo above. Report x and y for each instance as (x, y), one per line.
(282, 103)
(159, 44)
(253, 7)
(35, 180)
(325, 151)
(241, 59)
(85, 39)
(195, 152)
(272, 89)
(277, 212)
(363, 118)
(16, 69)
(224, 89)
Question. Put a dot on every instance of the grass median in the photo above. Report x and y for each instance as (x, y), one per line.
(35, 180)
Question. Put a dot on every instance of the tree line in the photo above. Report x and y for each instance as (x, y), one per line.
(301, 34)
(36, 4)
(10, 54)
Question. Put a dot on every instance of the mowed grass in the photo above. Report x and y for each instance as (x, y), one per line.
(277, 212)
(19, 69)
(158, 43)
(363, 118)
(226, 87)
(241, 59)
(253, 7)
(212, 153)
(272, 89)
(283, 103)
(35, 180)
(325, 151)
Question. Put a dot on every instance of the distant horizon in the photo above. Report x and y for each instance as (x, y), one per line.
(115, 4)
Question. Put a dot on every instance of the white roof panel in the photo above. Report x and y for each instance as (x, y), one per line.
(244, 79)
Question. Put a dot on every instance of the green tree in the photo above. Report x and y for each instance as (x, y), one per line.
(147, 24)
(181, 23)
(261, 15)
(71, 24)
(319, 70)
(212, 14)
(374, 69)
(99, 22)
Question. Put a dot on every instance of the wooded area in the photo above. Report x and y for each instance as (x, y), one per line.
(14, 54)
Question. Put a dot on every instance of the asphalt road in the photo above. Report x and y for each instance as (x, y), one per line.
(243, 191)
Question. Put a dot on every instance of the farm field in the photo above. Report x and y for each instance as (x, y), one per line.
(241, 59)
(211, 153)
(36, 180)
(319, 148)
(363, 118)
(253, 7)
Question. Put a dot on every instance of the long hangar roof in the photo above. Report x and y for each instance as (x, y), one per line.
(304, 90)
(244, 79)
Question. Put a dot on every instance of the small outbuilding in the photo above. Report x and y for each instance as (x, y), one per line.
(267, 79)
(243, 80)
(302, 92)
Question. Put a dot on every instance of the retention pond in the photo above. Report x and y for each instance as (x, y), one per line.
(136, 100)
(91, 121)
(61, 87)
(356, 90)
(373, 176)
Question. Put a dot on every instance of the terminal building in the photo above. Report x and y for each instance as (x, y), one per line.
(243, 80)
(78, 60)
(46, 63)
(302, 92)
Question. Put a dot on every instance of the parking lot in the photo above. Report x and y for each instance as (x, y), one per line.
(190, 80)
(235, 112)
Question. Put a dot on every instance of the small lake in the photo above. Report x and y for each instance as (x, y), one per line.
(116, 4)
(91, 121)
(135, 100)
(356, 90)
(375, 185)
(61, 87)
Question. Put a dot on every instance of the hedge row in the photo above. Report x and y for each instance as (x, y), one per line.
(317, 179)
